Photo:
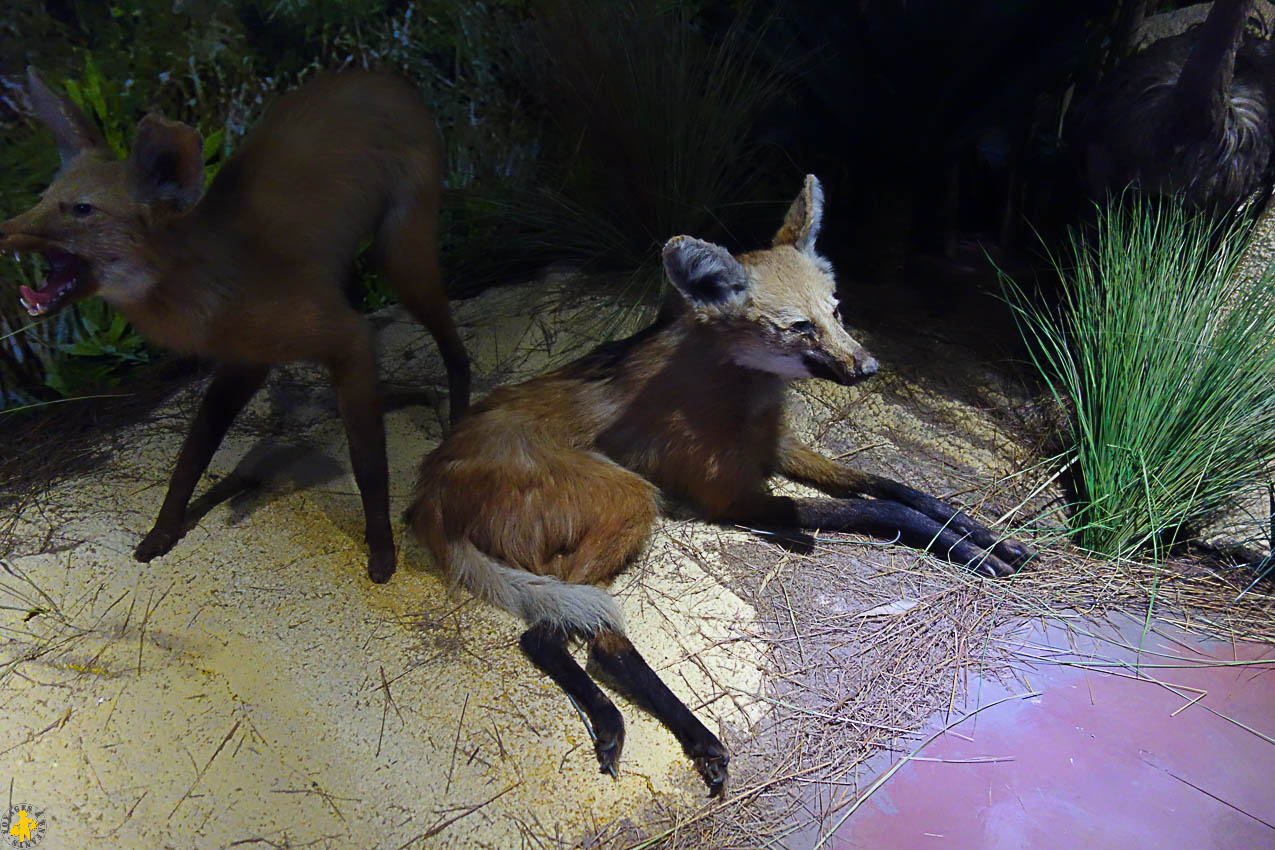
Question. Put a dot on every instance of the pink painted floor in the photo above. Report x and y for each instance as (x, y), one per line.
(1098, 759)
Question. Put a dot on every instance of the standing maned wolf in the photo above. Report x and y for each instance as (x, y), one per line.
(257, 271)
(547, 489)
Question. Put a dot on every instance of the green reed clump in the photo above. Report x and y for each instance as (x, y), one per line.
(1164, 360)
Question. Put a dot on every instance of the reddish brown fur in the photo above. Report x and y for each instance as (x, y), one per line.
(256, 271)
(543, 474)
(558, 476)
(505, 483)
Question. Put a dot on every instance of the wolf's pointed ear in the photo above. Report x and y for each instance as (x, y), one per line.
(73, 131)
(166, 165)
(801, 225)
(706, 274)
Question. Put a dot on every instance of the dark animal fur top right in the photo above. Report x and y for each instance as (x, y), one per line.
(1190, 115)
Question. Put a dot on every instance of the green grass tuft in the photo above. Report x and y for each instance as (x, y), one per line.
(1164, 361)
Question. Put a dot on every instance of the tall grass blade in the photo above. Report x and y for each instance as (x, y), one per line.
(1165, 362)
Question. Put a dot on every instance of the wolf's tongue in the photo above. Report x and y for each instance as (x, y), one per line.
(34, 298)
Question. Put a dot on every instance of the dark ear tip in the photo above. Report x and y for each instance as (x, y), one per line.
(672, 245)
(152, 119)
(161, 127)
(674, 248)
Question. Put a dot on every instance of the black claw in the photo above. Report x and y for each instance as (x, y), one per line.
(711, 761)
(713, 771)
(608, 758)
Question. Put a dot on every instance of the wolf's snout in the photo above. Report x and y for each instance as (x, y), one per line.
(867, 365)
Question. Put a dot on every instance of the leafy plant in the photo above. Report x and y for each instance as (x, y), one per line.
(89, 93)
(115, 61)
(216, 65)
(1165, 362)
(105, 344)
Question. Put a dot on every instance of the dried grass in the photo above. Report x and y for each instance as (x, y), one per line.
(864, 648)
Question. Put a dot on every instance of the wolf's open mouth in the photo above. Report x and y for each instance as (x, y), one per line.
(64, 278)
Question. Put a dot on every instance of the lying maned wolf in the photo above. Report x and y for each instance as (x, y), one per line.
(257, 271)
(548, 488)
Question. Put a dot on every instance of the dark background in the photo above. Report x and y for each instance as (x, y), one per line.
(594, 131)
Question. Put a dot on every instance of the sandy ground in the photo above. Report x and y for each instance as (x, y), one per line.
(253, 689)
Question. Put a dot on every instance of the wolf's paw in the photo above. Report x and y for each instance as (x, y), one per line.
(609, 742)
(1003, 558)
(157, 542)
(381, 565)
(710, 760)
(1013, 553)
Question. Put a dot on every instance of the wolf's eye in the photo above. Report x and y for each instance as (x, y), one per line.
(82, 209)
(803, 327)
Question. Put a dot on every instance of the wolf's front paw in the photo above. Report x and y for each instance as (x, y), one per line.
(711, 764)
(710, 759)
(156, 543)
(1013, 552)
(381, 565)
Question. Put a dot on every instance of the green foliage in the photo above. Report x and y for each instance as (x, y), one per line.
(104, 345)
(115, 61)
(585, 130)
(214, 155)
(215, 64)
(88, 94)
(1166, 365)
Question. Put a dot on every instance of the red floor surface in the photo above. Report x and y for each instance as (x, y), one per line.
(1098, 759)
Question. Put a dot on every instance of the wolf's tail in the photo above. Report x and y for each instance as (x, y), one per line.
(574, 608)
